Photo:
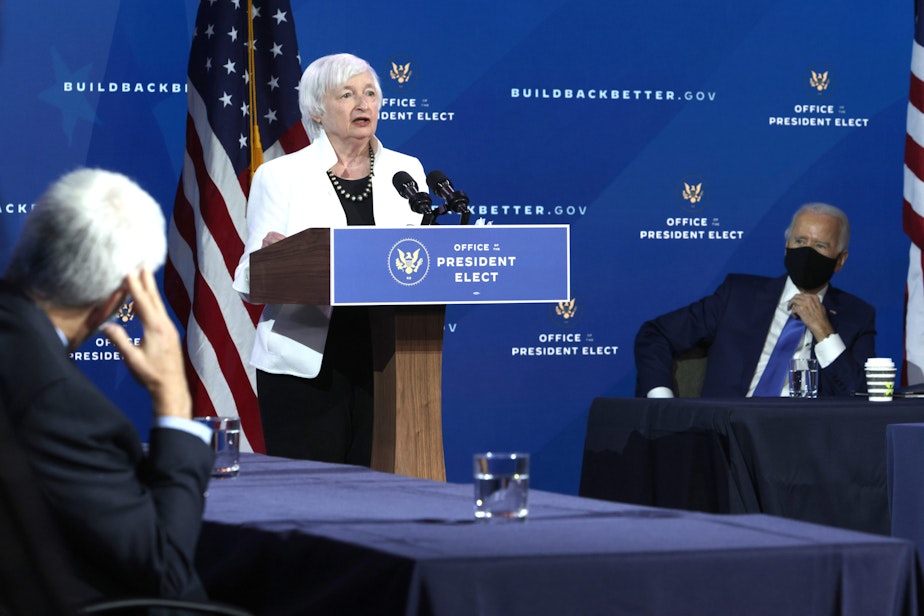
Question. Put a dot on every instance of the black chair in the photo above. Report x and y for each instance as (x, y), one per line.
(36, 575)
(689, 371)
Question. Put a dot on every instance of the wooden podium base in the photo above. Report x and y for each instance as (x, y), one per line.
(407, 435)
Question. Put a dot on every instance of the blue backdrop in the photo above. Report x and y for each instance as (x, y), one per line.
(675, 138)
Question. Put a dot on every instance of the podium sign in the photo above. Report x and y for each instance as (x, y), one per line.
(450, 265)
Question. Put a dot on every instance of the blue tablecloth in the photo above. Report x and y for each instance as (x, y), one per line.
(820, 461)
(299, 537)
(905, 464)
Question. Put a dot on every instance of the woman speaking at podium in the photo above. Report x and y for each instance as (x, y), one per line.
(314, 363)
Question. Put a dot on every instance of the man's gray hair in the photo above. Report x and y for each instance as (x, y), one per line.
(88, 231)
(828, 210)
(323, 75)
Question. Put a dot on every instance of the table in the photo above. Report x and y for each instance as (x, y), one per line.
(300, 537)
(905, 467)
(820, 461)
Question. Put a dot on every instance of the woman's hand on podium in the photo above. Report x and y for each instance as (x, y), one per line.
(272, 237)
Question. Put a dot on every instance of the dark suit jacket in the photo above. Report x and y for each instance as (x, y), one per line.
(733, 323)
(131, 521)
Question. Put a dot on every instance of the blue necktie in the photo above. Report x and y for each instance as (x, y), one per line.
(777, 370)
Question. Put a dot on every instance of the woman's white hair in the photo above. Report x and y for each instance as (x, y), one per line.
(88, 231)
(323, 75)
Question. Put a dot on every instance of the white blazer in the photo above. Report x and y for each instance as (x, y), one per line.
(293, 193)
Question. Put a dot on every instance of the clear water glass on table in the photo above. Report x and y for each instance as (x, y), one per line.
(501, 485)
(226, 436)
(803, 378)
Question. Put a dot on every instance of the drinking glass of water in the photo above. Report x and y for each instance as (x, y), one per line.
(803, 378)
(501, 485)
(226, 433)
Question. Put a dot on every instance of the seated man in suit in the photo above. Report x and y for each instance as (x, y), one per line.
(743, 320)
(129, 519)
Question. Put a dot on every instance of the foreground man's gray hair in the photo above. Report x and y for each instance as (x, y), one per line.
(88, 231)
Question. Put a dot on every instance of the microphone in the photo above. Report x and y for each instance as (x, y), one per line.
(407, 188)
(456, 200)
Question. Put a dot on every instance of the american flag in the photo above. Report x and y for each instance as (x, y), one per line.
(913, 211)
(232, 93)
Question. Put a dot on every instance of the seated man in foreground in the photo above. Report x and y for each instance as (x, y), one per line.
(742, 322)
(129, 520)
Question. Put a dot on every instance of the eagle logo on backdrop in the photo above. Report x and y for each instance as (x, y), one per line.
(566, 309)
(819, 81)
(692, 193)
(408, 262)
(126, 312)
(400, 73)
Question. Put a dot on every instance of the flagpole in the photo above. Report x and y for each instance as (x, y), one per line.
(256, 147)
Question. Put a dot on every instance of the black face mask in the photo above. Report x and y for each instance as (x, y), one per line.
(808, 268)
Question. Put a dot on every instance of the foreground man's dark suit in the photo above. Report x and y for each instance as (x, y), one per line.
(131, 521)
(733, 322)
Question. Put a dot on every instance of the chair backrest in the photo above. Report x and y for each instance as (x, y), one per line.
(689, 370)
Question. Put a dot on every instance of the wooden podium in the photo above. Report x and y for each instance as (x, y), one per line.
(407, 349)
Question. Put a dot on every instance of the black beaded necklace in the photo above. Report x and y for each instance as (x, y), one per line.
(366, 192)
